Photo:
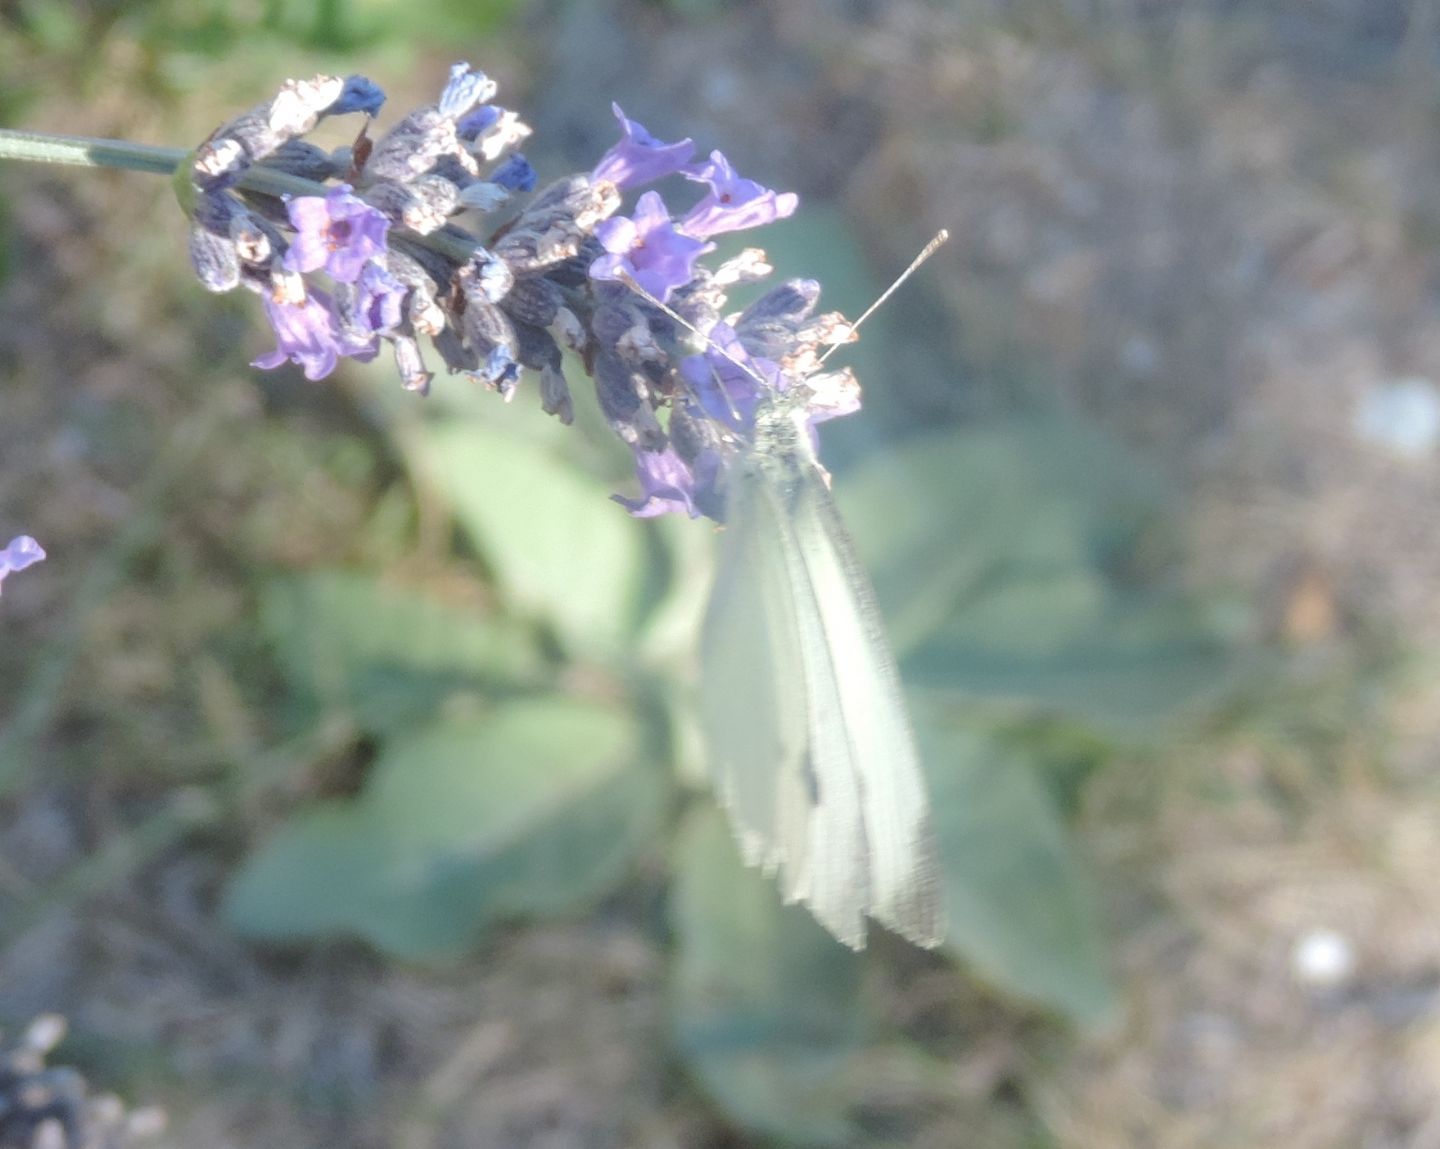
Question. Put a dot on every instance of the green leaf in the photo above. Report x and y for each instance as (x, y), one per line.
(1125, 668)
(991, 547)
(947, 517)
(450, 21)
(535, 808)
(765, 1005)
(1016, 904)
(557, 544)
(389, 654)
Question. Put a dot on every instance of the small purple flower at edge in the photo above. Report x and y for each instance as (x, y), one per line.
(648, 248)
(21, 552)
(640, 158)
(734, 203)
(338, 232)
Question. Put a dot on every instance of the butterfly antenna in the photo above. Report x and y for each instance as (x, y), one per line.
(930, 248)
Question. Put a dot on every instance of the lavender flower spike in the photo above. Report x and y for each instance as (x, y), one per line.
(21, 552)
(734, 203)
(338, 232)
(640, 158)
(416, 250)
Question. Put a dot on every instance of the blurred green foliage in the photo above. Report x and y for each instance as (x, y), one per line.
(530, 807)
(50, 44)
(999, 553)
(766, 1003)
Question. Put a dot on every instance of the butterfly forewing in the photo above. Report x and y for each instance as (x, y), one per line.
(836, 864)
(877, 743)
(812, 751)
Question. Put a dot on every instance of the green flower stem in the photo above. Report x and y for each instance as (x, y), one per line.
(81, 151)
(78, 151)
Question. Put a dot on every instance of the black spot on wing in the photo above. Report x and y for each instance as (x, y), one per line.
(812, 782)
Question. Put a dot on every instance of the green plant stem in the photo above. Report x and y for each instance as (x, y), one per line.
(82, 151)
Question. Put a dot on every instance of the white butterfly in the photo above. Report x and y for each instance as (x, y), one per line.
(809, 739)
(808, 735)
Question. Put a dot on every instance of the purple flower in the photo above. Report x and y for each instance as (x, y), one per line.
(379, 298)
(515, 173)
(727, 380)
(500, 370)
(21, 552)
(307, 333)
(339, 232)
(358, 95)
(648, 248)
(473, 122)
(640, 158)
(734, 203)
(666, 484)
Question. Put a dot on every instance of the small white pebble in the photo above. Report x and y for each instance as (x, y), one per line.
(143, 1123)
(45, 1032)
(1323, 958)
(1402, 414)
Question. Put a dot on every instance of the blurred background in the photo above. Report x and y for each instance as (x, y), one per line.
(350, 792)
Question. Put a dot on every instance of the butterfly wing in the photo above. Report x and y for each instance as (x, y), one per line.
(872, 741)
(757, 709)
(810, 745)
